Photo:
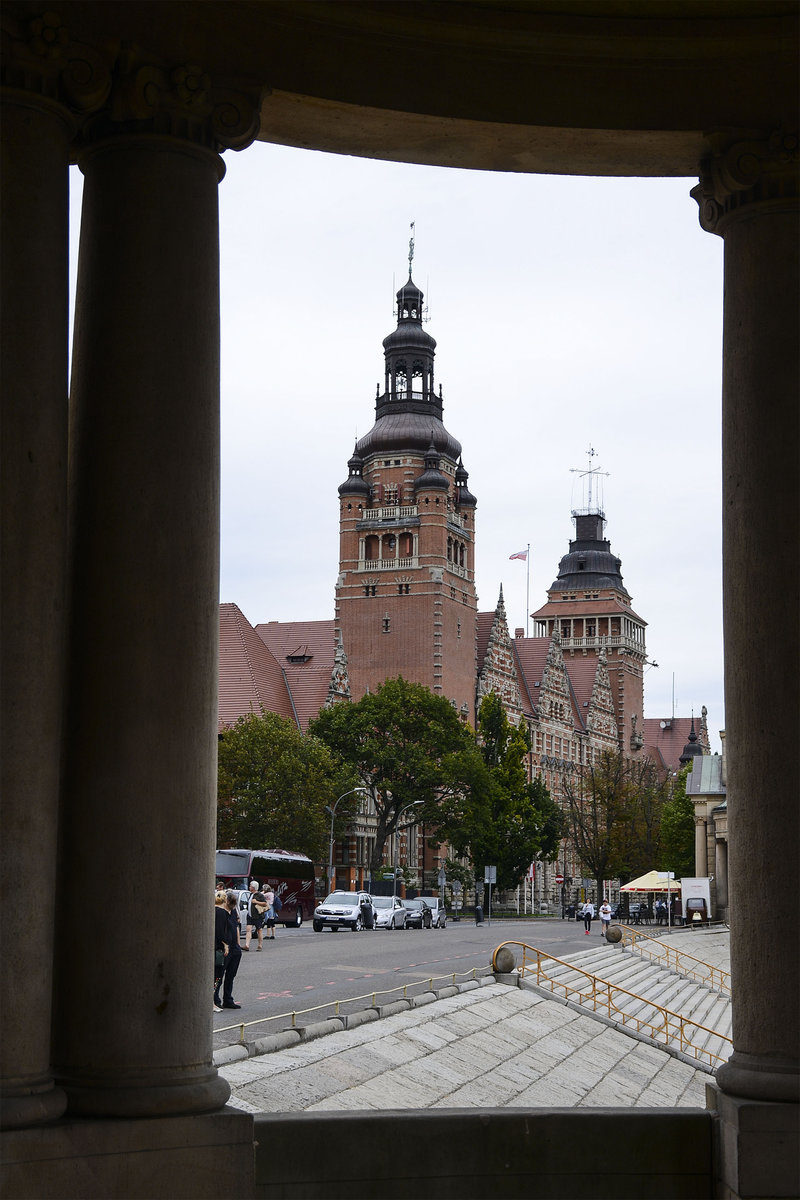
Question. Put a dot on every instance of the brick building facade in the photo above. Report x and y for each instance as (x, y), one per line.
(406, 605)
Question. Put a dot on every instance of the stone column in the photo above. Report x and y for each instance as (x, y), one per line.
(749, 195)
(700, 849)
(36, 133)
(132, 1033)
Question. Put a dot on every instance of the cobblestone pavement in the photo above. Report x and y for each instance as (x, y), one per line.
(489, 1046)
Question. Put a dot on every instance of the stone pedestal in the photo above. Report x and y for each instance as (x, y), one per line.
(184, 1158)
(758, 1147)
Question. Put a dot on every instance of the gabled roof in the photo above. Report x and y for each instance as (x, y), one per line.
(249, 676)
(304, 652)
(666, 744)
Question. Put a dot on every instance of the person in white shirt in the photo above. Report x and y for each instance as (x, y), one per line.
(605, 917)
(588, 917)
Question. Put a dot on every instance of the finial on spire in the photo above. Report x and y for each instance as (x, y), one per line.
(588, 476)
(411, 249)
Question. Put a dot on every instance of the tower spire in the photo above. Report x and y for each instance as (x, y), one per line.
(411, 249)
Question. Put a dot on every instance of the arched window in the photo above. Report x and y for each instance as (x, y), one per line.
(371, 548)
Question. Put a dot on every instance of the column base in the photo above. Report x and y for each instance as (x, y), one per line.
(757, 1077)
(199, 1091)
(31, 1106)
(174, 1158)
(757, 1147)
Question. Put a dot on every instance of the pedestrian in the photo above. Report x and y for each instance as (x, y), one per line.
(256, 915)
(605, 917)
(234, 955)
(588, 916)
(220, 945)
(269, 914)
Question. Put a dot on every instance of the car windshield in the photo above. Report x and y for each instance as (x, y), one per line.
(413, 903)
(342, 898)
(382, 901)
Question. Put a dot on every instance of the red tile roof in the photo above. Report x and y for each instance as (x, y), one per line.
(312, 646)
(249, 676)
(667, 744)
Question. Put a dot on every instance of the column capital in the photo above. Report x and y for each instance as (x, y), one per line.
(744, 173)
(106, 90)
(43, 65)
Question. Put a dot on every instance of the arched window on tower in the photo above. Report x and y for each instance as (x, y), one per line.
(389, 546)
(406, 545)
(449, 549)
(371, 548)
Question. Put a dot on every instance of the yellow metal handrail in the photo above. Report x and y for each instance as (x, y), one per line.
(602, 996)
(335, 1004)
(682, 961)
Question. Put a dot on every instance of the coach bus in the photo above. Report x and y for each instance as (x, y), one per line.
(291, 877)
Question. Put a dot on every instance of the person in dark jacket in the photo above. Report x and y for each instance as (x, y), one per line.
(234, 955)
(220, 945)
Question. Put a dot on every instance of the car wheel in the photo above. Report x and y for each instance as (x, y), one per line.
(298, 919)
(358, 925)
(317, 926)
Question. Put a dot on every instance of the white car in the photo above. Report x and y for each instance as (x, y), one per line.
(438, 913)
(343, 910)
(389, 912)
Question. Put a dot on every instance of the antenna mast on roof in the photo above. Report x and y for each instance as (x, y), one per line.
(411, 249)
(589, 475)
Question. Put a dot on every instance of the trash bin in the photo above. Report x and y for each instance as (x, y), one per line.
(478, 914)
(571, 912)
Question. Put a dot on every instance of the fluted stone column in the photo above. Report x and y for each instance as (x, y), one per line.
(132, 1033)
(36, 132)
(700, 847)
(749, 195)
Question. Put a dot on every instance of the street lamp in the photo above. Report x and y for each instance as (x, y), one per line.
(414, 804)
(332, 812)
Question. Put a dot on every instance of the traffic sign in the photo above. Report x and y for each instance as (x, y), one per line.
(559, 879)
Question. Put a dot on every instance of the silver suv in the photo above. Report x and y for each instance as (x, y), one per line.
(344, 910)
(438, 914)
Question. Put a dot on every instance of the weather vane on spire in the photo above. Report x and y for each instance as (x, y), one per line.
(411, 249)
(589, 474)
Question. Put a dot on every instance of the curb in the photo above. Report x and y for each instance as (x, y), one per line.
(306, 1033)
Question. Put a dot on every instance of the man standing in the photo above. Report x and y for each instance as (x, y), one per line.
(234, 955)
(605, 917)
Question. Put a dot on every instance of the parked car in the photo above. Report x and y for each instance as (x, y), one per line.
(342, 910)
(438, 914)
(696, 911)
(418, 915)
(389, 912)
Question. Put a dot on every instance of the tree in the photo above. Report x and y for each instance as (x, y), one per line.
(613, 814)
(510, 822)
(273, 785)
(407, 746)
(677, 829)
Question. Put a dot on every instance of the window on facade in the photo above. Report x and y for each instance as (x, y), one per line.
(590, 629)
(387, 623)
(370, 548)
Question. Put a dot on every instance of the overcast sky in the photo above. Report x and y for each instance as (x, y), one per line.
(568, 313)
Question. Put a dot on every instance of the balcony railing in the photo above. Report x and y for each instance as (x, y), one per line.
(387, 564)
(601, 641)
(390, 512)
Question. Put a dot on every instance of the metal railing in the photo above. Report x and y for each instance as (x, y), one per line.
(424, 985)
(657, 1021)
(677, 960)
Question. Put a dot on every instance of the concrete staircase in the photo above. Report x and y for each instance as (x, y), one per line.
(645, 985)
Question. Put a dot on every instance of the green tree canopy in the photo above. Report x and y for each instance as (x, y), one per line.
(677, 829)
(613, 814)
(510, 822)
(273, 786)
(406, 745)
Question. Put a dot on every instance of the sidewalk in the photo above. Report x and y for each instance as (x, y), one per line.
(488, 1046)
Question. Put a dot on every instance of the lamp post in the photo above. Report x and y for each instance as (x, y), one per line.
(414, 804)
(332, 812)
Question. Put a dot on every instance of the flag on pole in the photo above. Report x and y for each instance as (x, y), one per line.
(523, 554)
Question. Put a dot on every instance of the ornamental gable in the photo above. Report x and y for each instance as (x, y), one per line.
(602, 721)
(497, 671)
(555, 701)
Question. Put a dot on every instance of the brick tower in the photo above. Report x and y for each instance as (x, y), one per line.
(590, 608)
(405, 596)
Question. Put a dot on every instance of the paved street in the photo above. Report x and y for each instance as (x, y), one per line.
(490, 1045)
(302, 969)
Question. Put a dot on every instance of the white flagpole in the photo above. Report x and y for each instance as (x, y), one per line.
(528, 590)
